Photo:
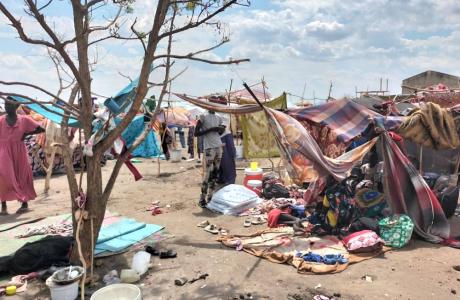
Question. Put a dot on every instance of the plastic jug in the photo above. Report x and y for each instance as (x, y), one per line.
(141, 262)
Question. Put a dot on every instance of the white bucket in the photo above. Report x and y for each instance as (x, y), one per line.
(239, 151)
(63, 292)
(118, 291)
(176, 155)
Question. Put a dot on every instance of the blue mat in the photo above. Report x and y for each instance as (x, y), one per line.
(55, 118)
(123, 234)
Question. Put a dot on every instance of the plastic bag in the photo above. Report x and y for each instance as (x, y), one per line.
(396, 230)
(141, 262)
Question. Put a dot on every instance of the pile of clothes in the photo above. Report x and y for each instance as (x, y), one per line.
(352, 210)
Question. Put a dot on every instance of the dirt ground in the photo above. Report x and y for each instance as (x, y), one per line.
(419, 271)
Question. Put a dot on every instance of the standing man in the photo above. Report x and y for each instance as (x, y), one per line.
(210, 127)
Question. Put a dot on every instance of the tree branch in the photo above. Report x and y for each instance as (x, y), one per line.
(212, 62)
(198, 23)
(3, 94)
(58, 45)
(142, 88)
(142, 136)
(171, 79)
(20, 30)
(44, 6)
(44, 91)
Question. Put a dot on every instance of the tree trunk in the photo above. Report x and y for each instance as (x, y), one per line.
(95, 208)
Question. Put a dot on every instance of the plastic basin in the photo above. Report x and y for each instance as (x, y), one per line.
(118, 291)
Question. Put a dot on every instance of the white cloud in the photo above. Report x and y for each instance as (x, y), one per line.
(352, 43)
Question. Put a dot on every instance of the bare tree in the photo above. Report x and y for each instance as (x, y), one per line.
(89, 205)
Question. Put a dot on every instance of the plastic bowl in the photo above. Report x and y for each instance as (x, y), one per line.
(118, 291)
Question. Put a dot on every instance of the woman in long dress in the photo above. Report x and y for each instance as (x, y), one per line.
(16, 182)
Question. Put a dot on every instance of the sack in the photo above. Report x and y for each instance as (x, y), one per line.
(396, 231)
(363, 241)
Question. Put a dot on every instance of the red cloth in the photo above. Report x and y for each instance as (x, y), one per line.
(129, 165)
(274, 215)
(399, 141)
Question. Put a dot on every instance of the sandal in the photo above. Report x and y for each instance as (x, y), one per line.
(247, 223)
(203, 224)
(168, 254)
(258, 221)
(211, 229)
(223, 232)
(152, 251)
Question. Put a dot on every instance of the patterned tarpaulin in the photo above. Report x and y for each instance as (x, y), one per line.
(346, 118)
(304, 159)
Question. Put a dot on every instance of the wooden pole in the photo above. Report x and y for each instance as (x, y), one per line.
(420, 161)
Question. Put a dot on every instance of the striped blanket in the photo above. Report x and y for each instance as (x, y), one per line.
(408, 193)
(346, 118)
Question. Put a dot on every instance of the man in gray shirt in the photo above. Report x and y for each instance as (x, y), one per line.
(210, 126)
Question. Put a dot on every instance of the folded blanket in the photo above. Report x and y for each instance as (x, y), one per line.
(431, 126)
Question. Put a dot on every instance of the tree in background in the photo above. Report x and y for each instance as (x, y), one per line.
(171, 17)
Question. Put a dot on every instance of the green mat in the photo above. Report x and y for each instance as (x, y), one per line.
(8, 241)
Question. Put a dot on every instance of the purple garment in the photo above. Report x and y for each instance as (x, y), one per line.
(227, 170)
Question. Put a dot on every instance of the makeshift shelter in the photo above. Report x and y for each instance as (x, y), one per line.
(334, 124)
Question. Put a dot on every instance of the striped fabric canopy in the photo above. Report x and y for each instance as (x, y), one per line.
(346, 118)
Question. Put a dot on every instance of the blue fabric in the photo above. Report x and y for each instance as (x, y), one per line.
(298, 211)
(149, 147)
(55, 118)
(123, 234)
(125, 97)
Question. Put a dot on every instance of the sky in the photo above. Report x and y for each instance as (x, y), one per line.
(292, 44)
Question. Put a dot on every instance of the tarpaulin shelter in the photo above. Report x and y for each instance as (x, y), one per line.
(52, 113)
(334, 124)
(179, 116)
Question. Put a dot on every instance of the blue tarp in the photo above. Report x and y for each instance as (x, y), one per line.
(149, 147)
(45, 113)
(123, 234)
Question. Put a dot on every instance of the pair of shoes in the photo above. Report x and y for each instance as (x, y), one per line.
(163, 254)
(202, 203)
(255, 221)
